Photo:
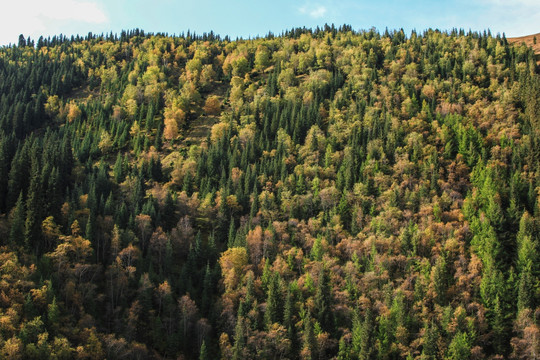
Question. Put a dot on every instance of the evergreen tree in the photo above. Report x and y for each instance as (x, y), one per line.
(118, 171)
(17, 231)
(203, 353)
(324, 301)
(273, 306)
(459, 348)
(32, 229)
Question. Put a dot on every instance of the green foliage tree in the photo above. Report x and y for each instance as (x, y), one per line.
(341, 194)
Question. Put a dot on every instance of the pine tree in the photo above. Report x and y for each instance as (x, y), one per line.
(207, 290)
(232, 234)
(4, 169)
(309, 348)
(22, 41)
(108, 208)
(324, 301)
(430, 348)
(357, 334)
(118, 171)
(273, 306)
(459, 348)
(526, 290)
(343, 351)
(362, 336)
(32, 230)
(187, 184)
(239, 350)
(16, 234)
(203, 353)
(168, 214)
(498, 326)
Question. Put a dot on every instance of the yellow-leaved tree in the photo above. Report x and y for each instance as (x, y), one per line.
(173, 114)
(232, 264)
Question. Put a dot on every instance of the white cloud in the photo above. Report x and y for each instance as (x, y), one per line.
(35, 17)
(515, 18)
(314, 10)
(73, 10)
(513, 2)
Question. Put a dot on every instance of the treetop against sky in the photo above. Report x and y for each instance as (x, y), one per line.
(242, 18)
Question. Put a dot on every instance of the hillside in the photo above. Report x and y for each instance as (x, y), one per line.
(322, 194)
(533, 41)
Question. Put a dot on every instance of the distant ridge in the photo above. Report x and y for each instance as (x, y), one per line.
(529, 41)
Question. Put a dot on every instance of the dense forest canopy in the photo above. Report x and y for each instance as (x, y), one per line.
(322, 194)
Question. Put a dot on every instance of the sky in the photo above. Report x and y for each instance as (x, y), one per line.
(250, 18)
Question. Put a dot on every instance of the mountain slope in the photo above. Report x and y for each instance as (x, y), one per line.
(532, 41)
(323, 194)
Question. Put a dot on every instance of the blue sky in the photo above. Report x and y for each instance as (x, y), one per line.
(254, 17)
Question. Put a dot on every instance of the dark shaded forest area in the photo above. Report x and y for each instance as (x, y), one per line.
(322, 194)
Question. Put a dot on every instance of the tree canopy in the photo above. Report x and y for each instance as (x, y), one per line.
(322, 194)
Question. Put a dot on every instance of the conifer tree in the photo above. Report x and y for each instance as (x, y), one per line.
(33, 210)
(17, 231)
(203, 353)
(323, 302)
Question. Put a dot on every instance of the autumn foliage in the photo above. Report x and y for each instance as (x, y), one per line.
(323, 194)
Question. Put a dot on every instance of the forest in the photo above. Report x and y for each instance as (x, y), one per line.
(321, 194)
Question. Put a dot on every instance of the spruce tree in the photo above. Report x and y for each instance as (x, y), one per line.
(203, 353)
(324, 301)
(16, 234)
(32, 230)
